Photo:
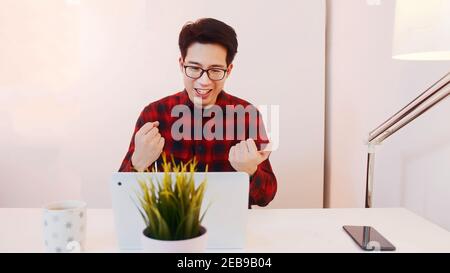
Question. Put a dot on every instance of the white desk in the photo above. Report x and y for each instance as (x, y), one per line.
(269, 230)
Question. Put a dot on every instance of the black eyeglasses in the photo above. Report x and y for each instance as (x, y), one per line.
(195, 72)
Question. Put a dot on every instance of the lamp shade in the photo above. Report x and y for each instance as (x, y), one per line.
(422, 30)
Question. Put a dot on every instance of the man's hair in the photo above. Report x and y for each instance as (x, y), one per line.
(208, 31)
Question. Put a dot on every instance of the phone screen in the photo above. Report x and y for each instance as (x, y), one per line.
(368, 238)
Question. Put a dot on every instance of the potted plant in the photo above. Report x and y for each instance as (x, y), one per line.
(171, 211)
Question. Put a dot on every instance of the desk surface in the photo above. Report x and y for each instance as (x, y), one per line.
(269, 230)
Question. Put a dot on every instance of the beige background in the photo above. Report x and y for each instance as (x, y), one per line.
(75, 75)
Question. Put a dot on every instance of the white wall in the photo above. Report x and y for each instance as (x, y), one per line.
(39, 104)
(365, 87)
(74, 79)
(412, 167)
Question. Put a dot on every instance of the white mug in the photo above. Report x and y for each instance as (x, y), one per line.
(65, 226)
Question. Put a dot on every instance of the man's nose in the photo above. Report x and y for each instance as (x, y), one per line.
(204, 79)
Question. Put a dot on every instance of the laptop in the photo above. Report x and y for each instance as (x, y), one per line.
(227, 194)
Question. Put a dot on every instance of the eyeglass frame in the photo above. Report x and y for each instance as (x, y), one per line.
(203, 71)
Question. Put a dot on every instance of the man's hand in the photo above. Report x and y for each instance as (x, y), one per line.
(148, 146)
(245, 157)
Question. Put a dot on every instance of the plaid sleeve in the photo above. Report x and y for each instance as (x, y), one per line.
(263, 183)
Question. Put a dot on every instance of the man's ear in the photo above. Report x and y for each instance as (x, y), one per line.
(230, 67)
(180, 61)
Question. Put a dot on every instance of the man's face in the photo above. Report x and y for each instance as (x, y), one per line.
(204, 91)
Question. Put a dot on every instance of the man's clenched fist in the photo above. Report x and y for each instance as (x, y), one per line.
(148, 146)
(245, 157)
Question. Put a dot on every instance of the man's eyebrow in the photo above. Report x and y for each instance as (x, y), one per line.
(199, 64)
(217, 65)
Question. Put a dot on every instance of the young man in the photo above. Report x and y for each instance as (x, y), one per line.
(208, 47)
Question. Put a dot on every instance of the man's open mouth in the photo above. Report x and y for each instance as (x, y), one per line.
(203, 93)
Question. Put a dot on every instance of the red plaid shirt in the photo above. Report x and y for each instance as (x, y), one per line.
(214, 153)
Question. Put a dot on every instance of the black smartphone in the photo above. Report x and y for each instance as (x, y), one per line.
(368, 238)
